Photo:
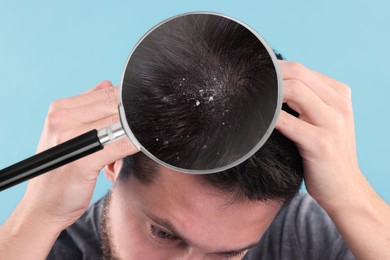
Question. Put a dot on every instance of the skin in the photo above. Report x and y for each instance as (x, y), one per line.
(323, 133)
(197, 215)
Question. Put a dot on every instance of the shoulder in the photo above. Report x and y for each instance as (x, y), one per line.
(301, 230)
(80, 240)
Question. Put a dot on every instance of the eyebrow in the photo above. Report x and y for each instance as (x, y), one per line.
(171, 228)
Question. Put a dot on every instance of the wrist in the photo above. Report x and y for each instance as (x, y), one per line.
(27, 235)
(362, 218)
(356, 198)
(335, 193)
(25, 217)
(50, 208)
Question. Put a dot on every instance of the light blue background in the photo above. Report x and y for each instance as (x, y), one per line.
(54, 49)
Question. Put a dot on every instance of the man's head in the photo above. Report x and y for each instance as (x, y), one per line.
(153, 212)
(180, 216)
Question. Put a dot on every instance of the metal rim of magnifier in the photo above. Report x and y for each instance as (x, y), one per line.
(265, 137)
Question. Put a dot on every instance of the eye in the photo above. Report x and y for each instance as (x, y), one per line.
(161, 235)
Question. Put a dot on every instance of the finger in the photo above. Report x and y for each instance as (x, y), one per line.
(104, 84)
(113, 151)
(294, 70)
(84, 99)
(93, 111)
(116, 151)
(304, 101)
(295, 129)
(341, 88)
(101, 85)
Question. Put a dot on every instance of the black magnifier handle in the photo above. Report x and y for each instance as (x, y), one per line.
(59, 155)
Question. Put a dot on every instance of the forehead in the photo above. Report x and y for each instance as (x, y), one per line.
(197, 210)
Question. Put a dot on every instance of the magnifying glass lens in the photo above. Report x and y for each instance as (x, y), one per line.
(200, 92)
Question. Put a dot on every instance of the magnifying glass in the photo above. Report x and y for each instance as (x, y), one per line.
(200, 93)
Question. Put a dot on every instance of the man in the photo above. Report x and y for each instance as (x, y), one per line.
(251, 211)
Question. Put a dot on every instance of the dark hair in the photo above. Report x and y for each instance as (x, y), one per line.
(204, 56)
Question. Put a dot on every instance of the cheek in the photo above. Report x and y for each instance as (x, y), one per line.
(127, 236)
(130, 236)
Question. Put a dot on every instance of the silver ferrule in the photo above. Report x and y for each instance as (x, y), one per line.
(110, 133)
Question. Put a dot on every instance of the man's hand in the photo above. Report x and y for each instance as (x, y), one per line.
(324, 131)
(56, 199)
(65, 193)
(324, 135)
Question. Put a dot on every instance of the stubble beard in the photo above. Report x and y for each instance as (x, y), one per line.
(105, 231)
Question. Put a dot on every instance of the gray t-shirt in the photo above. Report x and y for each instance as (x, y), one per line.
(301, 230)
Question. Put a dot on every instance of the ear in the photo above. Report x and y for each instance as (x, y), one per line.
(111, 171)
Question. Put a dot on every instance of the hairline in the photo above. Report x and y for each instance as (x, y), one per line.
(235, 195)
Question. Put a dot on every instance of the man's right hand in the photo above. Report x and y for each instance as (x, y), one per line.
(57, 199)
(64, 194)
